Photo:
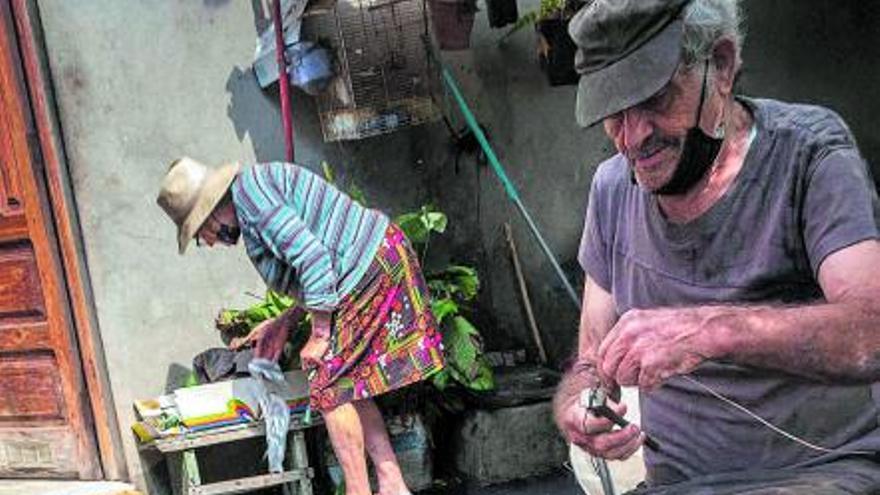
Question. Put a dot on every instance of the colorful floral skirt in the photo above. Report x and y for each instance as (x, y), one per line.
(384, 335)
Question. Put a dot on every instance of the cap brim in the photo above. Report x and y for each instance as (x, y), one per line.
(631, 80)
(215, 187)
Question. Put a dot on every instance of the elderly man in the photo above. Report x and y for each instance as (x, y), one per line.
(730, 251)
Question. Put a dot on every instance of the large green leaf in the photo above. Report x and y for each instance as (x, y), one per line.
(464, 355)
(466, 279)
(435, 221)
(457, 281)
(443, 307)
(419, 225)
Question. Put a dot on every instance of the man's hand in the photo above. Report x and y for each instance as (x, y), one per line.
(596, 435)
(646, 347)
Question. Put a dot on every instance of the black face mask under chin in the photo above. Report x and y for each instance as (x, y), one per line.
(697, 155)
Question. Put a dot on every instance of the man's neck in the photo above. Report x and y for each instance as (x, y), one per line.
(686, 207)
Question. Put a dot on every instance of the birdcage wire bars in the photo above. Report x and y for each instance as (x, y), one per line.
(385, 74)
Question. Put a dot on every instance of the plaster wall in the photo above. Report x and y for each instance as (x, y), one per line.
(140, 83)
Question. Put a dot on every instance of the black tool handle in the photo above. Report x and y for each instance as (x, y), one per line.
(609, 413)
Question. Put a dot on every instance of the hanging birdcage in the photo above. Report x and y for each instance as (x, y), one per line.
(385, 73)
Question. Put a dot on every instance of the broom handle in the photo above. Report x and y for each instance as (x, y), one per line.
(505, 181)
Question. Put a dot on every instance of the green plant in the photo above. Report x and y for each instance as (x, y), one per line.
(239, 322)
(452, 289)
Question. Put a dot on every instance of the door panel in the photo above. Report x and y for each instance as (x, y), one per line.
(46, 428)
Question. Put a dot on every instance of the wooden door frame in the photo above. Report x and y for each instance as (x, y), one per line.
(69, 237)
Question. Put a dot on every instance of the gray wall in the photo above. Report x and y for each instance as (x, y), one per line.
(141, 82)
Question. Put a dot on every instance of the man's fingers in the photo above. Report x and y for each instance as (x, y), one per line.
(614, 442)
(628, 370)
(627, 449)
(593, 425)
(619, 408)
(609, 363)
(609, 339)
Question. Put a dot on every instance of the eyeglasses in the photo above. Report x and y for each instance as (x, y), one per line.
(225, 233)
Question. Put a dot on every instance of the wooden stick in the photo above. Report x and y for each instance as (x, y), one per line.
(524, 292)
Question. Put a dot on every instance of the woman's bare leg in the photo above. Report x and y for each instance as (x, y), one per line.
(379, 447)
(347, 437)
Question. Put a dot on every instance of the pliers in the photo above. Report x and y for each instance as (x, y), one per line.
(596, 403)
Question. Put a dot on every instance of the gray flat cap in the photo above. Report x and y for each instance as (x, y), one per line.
(627, 51)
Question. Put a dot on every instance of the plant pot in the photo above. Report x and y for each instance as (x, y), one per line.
(556, 52)
(453, 22)
(501, 12)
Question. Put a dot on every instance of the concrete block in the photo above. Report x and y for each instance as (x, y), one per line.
(493, 446)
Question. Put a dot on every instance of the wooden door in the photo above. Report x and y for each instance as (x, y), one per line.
(46, 428)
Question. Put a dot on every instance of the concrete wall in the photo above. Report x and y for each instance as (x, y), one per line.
(141, 82)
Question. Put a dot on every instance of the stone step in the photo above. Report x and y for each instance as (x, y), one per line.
(54, 487)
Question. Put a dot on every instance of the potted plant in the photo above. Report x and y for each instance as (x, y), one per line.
(453, 21)
(501, 12)
(556, 50)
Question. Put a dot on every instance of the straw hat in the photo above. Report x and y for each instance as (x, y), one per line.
(189, 193)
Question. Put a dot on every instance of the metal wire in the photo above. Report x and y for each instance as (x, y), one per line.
(384, 75)
(794, 438)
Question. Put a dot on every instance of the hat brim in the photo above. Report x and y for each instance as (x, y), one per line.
(631, 80)
(215, 187)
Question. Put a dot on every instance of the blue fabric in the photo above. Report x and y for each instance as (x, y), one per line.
(305, 237)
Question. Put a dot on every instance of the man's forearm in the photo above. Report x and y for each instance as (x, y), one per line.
(832, 341)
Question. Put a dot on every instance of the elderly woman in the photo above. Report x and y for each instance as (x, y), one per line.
(348, 266)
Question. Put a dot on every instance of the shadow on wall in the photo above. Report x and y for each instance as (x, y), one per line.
(255, 114)
(215, 4)
(176, 377)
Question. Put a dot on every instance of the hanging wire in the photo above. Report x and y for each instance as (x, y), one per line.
(771, 426)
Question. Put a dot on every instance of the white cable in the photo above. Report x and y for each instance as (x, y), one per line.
(773, 427)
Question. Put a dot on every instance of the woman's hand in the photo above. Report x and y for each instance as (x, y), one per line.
(312, 354)
(268, 337)
(252, 336)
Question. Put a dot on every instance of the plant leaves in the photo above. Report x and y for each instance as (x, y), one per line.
(443, 307)
(457, 281)
(357, 195)
(464, 355)
(419, 225)
(441, 379)
(329, 176)
(435, 221)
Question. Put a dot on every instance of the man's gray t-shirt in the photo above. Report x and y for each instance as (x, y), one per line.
(803, 193)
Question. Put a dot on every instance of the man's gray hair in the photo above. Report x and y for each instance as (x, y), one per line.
(707, 21)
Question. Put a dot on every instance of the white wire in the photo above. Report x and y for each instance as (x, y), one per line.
(773, 427)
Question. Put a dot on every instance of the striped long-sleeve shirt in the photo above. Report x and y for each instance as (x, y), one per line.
(304, 236)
